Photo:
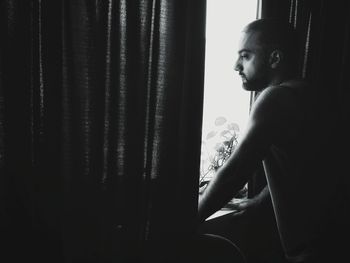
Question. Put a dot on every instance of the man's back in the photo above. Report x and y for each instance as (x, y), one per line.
(298, 189)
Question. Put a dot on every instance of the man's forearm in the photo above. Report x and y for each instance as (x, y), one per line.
(219, 191)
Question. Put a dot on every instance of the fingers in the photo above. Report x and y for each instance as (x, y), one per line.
(238, 212)
(234, 206)
(242, 204)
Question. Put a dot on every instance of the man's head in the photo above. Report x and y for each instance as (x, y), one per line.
(267, 53)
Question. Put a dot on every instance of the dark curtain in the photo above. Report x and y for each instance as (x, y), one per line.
(100, 127)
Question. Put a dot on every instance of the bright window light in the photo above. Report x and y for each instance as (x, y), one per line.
(226, 104)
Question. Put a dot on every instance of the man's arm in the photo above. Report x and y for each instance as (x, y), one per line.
(266, 123)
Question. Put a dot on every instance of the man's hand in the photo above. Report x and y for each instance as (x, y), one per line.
(243, 206)
(250, 205)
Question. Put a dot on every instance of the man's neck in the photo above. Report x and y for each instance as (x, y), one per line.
(279, 79)
(282, 76)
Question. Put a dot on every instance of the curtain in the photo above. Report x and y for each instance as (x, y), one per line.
(100, 127)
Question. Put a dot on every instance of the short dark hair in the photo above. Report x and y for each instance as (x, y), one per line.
(277, 34)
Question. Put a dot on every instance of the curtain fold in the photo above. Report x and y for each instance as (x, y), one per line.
(100, 124)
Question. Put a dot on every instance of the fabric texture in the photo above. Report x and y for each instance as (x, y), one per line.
(100, 124)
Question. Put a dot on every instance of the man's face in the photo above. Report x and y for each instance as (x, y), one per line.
(252, 63)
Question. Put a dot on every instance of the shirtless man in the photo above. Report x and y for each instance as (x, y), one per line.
(281, 133)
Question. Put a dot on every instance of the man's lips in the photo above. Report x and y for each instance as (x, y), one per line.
(243, 77)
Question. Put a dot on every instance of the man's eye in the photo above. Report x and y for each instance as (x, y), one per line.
(244, 55)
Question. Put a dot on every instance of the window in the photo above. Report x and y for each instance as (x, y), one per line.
(226, 104)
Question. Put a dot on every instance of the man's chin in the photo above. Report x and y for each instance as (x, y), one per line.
(249, 87)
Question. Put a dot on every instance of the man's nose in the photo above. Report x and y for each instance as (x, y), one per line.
(238, 66)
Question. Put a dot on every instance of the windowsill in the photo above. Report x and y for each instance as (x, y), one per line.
(221, 212)
(225, 210)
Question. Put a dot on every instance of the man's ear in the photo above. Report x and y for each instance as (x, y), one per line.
(276, 57)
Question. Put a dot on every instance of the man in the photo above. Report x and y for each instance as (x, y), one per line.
(281, 133)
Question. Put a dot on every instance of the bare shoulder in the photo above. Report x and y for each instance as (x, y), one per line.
(279, 106)
(289, 90)
(284, 98)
